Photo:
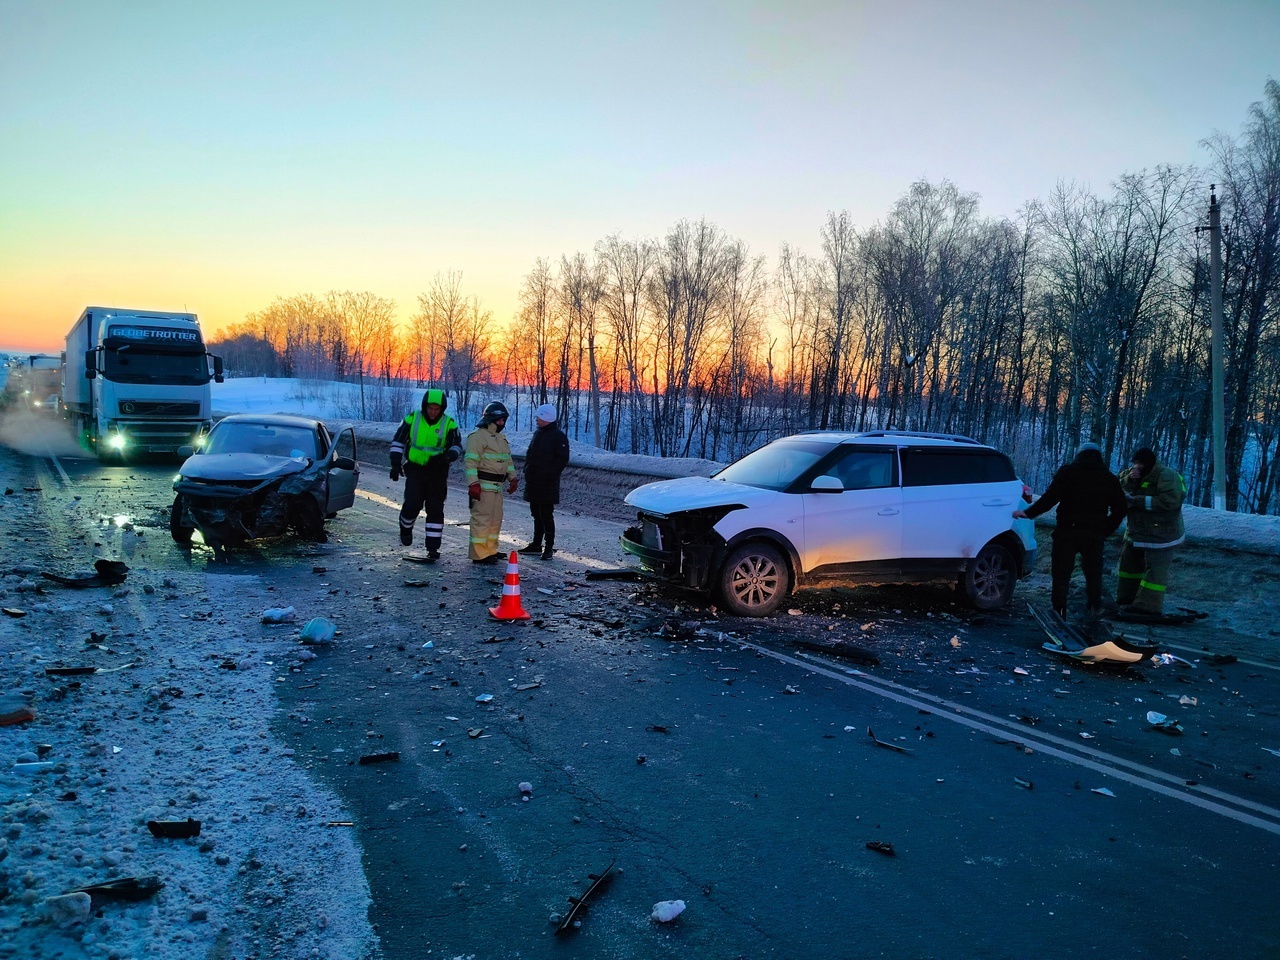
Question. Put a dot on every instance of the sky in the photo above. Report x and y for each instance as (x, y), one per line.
(212, 157)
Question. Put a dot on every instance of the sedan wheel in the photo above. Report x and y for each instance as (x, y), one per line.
(754, 580)
(988, 582)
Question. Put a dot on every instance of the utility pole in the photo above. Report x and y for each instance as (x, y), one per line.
(1216, 361)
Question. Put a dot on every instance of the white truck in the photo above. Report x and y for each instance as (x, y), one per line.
(137, 381)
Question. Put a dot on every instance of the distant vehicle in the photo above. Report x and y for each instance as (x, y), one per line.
(48, 407)
(879, 507)
(137, 382)
(262, 476)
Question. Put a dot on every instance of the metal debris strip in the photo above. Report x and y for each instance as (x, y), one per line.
(1024, 784)
(388, 757)
(110, 573)
(131, 889)
(845, 651)
(579, 904)
(888, 746)
(623, 573)
(174, 829)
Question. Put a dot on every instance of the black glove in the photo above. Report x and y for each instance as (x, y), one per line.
(452, 454)
(395, 474)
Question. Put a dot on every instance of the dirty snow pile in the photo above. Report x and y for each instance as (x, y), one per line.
(175, 725)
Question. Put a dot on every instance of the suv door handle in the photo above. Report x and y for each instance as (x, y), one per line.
(888, 512)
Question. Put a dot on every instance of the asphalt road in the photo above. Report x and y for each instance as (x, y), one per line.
(726, 767)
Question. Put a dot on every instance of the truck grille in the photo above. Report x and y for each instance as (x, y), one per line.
(156, 408)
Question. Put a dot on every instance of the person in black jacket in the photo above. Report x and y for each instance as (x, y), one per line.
(545, 460)
(1091, 506)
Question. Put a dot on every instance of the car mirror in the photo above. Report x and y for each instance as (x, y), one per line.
(827, 484)
(186, 450)
(344, 463)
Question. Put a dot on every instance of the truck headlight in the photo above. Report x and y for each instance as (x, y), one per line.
(116, 441)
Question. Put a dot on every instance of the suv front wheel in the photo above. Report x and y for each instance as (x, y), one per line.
(987, 583)
(754, 580)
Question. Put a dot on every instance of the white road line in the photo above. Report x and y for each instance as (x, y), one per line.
(590, 562)
(65, 479)
(1147, 778)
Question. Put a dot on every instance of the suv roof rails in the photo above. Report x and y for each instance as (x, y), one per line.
(954, 437)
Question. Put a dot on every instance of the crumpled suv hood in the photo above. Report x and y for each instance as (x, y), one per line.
(695, 493)
(241, 466)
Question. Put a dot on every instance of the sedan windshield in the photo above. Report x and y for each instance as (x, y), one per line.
(273, 440)
(776, 465)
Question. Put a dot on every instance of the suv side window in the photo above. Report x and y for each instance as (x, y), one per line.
(936, 466)
(865, 469)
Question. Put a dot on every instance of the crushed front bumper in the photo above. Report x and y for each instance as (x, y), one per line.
(683, 548)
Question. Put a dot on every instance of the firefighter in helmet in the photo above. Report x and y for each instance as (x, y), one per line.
(489, 467)
(422, 449)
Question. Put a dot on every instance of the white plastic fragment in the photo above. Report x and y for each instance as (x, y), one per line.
(1274, 753)
(485, 698)
(279, 615)
(1155, 718)
(1103, 791)
(667, 910)
(42, 766)
(1020, 672)
(429, 645)
(1188, 701)
(793, 612)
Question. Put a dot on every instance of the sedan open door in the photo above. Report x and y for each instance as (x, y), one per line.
(344, 471)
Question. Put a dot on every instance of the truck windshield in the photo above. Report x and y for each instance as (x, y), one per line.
(130, 364)
(775, 465)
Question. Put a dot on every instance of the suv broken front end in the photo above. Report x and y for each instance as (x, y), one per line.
(684, 547)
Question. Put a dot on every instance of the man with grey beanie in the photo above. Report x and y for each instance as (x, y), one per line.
(545, 460)
(1091, 507)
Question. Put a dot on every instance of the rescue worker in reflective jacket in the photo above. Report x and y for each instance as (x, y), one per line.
(1154, 493)
(422, 449)
(489, 467)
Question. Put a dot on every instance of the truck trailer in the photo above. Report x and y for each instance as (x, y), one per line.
(137, 381)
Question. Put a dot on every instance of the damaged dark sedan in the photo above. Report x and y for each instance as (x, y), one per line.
(263, 476)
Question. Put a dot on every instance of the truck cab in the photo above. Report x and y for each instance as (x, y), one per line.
(137, 382)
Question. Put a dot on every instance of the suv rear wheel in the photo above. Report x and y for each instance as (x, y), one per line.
(754, 580)
(987, 583)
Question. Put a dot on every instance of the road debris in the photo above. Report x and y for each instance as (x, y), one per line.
(525, 788)
(1102, 791)
(318, 630)
(664, 911)
(888, 746)
(279, 615)
(620, 574)
(129, 889)
(110, 573)
(388, 757)
(174, 829)
(882, 846)
(845, 651)
(1162, 723)
(14, 710)
(571, 920)
(14, 612)
(1024, 784)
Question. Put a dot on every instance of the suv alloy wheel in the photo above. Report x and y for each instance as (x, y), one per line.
(754, 580)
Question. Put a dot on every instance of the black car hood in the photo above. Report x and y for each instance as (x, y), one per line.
(241, 466)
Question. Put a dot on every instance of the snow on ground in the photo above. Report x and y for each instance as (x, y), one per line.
(178, 727)
(1246, 532)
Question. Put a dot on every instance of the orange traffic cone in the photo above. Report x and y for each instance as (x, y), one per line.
(509, 607)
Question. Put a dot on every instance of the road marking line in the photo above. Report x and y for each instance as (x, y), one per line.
(514, 542)
(65, 479)
(1095, 760)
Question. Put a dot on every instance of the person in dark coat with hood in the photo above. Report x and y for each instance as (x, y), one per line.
(1091, 506)
(545, 460)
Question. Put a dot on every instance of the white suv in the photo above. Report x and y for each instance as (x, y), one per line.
(879, 507)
